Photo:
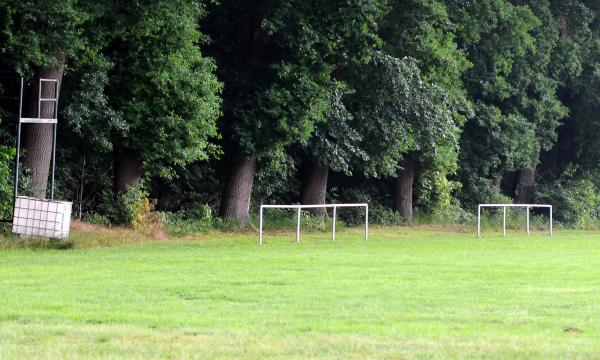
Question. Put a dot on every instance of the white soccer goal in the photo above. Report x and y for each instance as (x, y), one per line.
(299, 210)
(504, 206)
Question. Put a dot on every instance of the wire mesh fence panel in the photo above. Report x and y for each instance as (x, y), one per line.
(40, 217)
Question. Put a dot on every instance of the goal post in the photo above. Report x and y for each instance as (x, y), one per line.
(504, 207)
(299, 209)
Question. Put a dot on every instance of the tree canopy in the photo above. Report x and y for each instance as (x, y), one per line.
(423, 107)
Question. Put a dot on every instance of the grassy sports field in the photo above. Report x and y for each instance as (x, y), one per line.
(406, 293)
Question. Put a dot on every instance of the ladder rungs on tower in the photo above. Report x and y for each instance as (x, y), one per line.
(37, 121)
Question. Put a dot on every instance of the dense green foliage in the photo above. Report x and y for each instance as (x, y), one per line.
(161, 85)
(476, 101)
(6, 181)
(38, 33)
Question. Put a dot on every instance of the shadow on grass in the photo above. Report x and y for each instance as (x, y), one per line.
(8, 240)
(14, 242)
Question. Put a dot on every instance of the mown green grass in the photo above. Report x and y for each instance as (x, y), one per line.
(406, 293)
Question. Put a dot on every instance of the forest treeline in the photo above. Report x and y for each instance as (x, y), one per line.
(420, 107)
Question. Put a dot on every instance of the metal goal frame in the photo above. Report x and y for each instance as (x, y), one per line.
(504, 206)
(299, 211)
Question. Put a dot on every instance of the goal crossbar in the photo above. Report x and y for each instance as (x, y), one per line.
(504, 206)
(299, 211)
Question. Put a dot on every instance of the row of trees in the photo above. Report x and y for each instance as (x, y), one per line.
(426, 104)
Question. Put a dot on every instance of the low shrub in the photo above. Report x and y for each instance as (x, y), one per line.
(380, 215)
(198, 219)
(97, 219)
(132, 208)
(6, 181)
(451, 214)
(577, 202)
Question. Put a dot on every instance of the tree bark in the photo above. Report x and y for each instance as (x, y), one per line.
(314, 189)
(525, 193)
(403, 191)
(235, 204)
(497, 181)
(38, 138)
(563, 28)
(526, 186)
(127, 168)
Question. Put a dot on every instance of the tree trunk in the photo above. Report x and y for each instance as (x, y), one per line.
(497, 181)
(314, 188)
(37, 138)
(525, 193)
(235, 204)
(127, 168)
(563, 28)
(403, 191)
(526, 186)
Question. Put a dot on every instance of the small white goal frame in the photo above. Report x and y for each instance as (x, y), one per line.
(300, 207)
(504, 206)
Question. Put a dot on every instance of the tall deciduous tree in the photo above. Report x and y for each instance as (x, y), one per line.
(335, 145)
(347, 41)
(41, 38)
(423, 30)
(162, 87)
(536, 81)
(574, 63)
(499, 39)
(407, 120)
(276, 59)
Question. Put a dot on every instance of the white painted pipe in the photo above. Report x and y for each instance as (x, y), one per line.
(333, 229)
(366, 222)
(478, 220)
(528, 220)
(504, 220)
(298, 227)
(260, 230)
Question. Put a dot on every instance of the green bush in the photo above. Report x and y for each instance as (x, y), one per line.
(449, 214)
(132, 208)
(195, 220)
(434, 192)
(97, 219)
(479, 190)
(436, 203)
(138, 208)
(380, 215)
(576, 202)
(112, 207)
(6, 181)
